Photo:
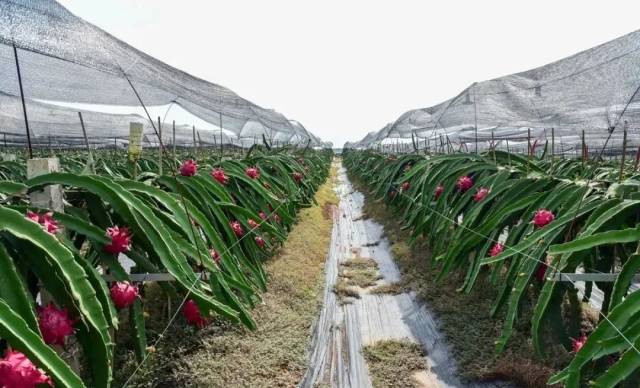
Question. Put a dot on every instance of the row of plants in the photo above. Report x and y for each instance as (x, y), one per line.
(518, 221)
(209, 223)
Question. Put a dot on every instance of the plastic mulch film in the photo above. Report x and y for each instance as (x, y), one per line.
(68, 65)
(595, 91)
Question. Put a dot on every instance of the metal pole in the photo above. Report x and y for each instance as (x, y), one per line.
(24, 106)
(86, 143)
(584, 149)
(553, 146)
(493, 146)
(174, 140)
(624, 150)
(160, 148)
(195, 146)
(221, 140)
(475, 117)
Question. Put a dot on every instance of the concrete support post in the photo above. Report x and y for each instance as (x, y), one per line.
(50, 197)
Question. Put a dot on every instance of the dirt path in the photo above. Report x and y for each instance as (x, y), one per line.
(343, 329)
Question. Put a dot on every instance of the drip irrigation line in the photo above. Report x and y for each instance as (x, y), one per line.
(184, 300)
(527, 256)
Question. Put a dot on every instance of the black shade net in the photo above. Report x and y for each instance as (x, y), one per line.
(66, 60)
(595, 91)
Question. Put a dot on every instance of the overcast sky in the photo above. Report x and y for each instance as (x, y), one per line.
(346, 67)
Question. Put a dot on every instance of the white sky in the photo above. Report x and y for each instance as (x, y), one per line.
(346, 67)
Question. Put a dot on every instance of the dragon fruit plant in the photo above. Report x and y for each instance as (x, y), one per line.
(547, 218)
(74, 253)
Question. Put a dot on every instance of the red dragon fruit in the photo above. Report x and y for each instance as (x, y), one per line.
(543, 217)
(188, 168)
(55, 324)
(439, 191)
(215, 255)
(541, 272)
(120, 240)
(191, 313)
(46, 220)
(577, 344)
(123, 294)
(405, 186)
(480, 194)
(50, 225)
(219, 175)
(17, 371)
(464, 183)
(260, 241)
(252, 224)
(33, 216)
(276, 218)
(263, 216)
(252, 172)
(297, 177)
(496, 249)
(237, 228)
